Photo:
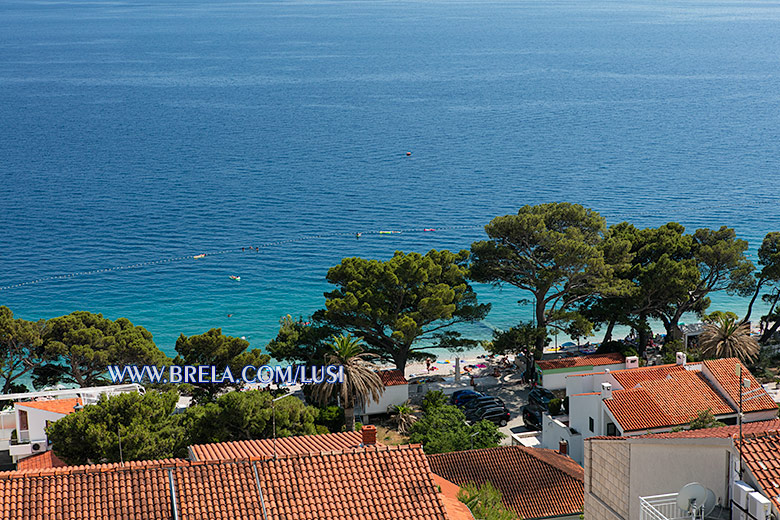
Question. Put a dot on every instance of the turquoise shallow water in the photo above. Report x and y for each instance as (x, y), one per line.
(137, 131)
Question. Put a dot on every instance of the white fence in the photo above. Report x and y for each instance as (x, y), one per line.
(661, 507)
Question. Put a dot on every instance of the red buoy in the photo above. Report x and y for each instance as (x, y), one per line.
(408, 154)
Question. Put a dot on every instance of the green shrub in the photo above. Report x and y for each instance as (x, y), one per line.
(555, 406)
(331, 417)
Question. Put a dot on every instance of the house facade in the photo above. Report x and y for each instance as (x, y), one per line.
(552, 373)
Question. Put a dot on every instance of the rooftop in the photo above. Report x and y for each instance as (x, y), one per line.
(670, 401)
(393, 377)
(761, 452)
(582, 361)
(381, 483)
(723, 432)
(264, 448)
(724, 372)
(43, 460)
(534, 482)
(63, 406)
(631, 377)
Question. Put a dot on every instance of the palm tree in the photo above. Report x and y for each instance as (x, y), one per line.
(361, 382)
(726, 337)
(403, 417)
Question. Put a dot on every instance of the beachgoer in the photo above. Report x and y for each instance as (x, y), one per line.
(428, 364)
(230, 315)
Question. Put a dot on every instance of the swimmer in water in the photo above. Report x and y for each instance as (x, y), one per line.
(230, 315)
(358, 235)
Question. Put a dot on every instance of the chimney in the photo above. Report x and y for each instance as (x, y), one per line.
(606, 391)
(632, 362)
(563, 447)
(369, 435)
(681, 358)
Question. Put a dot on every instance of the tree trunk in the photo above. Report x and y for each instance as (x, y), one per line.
(541, 322)
(349, 414)
(400, 359)
(608, 332)
(752, 301)
(770, 331)
(643, 334)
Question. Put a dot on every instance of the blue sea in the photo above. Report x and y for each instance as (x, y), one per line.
(135, 132)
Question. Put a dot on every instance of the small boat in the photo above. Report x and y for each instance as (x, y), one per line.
(202, 255)
(234, 277)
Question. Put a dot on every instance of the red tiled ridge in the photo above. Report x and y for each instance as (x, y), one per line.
(722, 432)
(40, 461)
(382, 483)
(534, 482)
(630, 377)
(582, 361)
(724, 372)
(63, 406)
(761, 454)
(606, 438)
(663, 402)
(92, 468)
(264, 448)
(392, 377)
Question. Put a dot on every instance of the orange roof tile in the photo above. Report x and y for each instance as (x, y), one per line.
(393, 377)
(63, 406)
(724, 372)
(670, 401)
(456, 510)
(264, 448)
(582, 361)
(630, 377)
(43, 460)
(534, 482)
(381, 483)
(761, 454)
(722, 432)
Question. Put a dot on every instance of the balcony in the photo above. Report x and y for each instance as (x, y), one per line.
(664, 507)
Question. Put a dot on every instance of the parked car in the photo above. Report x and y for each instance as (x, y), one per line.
(482, 402)
(540, 396)
(466, 397)
(458, 393)
(496, 414)
(532, 417)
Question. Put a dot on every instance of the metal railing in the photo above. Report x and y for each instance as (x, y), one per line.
(661, 507)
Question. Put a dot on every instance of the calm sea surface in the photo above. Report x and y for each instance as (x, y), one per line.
(138, 131)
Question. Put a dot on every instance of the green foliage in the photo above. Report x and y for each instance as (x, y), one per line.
(433, 399)
(20, 350)
(331, 417)
(403, 417)
(443, 428)
(146, 424)
(552, 251)
(523, 336)
(358, 426)
(214, 348)
(717, 316)
(484, 502)
(238, 416)
(705, 419)
(394, 304)
(78, 347)
(609, 347)
(300, 341)
(555, 406)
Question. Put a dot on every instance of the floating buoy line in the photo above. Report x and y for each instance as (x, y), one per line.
(203, 255)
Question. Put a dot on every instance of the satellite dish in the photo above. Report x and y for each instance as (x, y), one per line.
(710, 502)
(691, 497)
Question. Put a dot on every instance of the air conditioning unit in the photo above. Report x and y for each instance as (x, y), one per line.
(759, 506)
(740, 492)
(632, 362)
(681, 358)
(38, 447)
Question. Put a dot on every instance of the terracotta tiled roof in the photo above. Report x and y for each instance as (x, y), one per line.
(724, 372)
(43, 460)
(722, 432)
(535, 483)
(631, 377)
(761, 454)
(381, 483)
(582, 361)
(456, 510)
(393, 377)
(264, 448)
(63, 406)
(670, 401)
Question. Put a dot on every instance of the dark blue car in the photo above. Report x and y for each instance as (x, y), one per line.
(462, 397)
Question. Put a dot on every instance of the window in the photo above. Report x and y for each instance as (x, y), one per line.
(611, 430)
(23, 420)
(590, 423)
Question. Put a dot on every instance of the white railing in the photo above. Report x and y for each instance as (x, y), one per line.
(661, 507)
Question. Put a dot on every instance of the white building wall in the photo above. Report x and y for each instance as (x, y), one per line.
(587, 383)
(393, 395)
(36, 421)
